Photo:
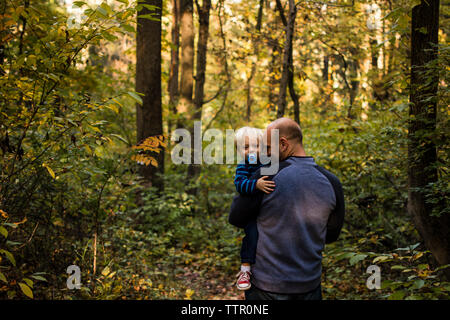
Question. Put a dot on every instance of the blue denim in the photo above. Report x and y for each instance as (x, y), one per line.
(255, 293)
(248, 248)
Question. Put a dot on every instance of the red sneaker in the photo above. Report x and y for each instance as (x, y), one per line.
(243, 280)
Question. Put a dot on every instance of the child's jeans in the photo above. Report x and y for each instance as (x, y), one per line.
(248, 249)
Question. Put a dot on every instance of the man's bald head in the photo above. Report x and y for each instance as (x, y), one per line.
(288, 128)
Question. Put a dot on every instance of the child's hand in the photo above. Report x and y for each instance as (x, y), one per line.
(265, 186)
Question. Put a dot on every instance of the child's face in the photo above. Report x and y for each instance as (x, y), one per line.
(251, 146)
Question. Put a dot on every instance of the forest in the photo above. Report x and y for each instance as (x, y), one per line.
(91, 93)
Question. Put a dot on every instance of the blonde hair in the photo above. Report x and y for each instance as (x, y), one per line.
(249, 132)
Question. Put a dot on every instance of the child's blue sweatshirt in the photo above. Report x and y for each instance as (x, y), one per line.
(242, 181)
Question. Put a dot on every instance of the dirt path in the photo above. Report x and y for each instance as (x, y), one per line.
(210, 286)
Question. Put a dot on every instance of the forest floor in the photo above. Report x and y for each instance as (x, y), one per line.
(211, 285)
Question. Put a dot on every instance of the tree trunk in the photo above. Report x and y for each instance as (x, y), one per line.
(325, 70)
(174, 60)
(202, 50)
(148, 82)
(256, 53)
(273, 71)
(353, 66)
(374, 53)
(187, 60)
(422, 155)
(292, 92)
(287, 73)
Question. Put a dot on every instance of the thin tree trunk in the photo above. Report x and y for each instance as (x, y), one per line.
(324, 89)
(256, 53)
(273, 71)
(374, 52)
(325, 70)
(292, 92)
(422, 155)
(174, 60)
(187, 59)
(224, 62)
(148, 82)
(287, 58)
(202, 50)
(353, 66)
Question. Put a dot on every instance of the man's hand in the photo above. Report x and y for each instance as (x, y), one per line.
(265, 186)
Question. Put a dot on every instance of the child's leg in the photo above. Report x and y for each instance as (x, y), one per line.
(248, 249)
(248, 256)
(245, 266)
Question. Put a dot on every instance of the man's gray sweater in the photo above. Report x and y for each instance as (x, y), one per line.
(305, 211)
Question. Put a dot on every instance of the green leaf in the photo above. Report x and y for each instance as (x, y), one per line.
(102, 11)
(26, 290)
(29, 282)
(149, 6)
(148, 16)
(12, 225)
(79, 3)
(445, 266)
(355, 259)
(106, 7)
(128, 28)
(4, 232)
(135, 96)
(345, 255)
(36, 277)
(418, 284)
(9, 256)
(381, 259)
(3, 278)
(398, 295)
(119, 137)
(414, 297)
(398, 267)
(12, 243)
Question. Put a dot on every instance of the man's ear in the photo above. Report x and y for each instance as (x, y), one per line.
(283, 144)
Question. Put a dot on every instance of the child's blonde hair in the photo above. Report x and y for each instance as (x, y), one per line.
(249, 132)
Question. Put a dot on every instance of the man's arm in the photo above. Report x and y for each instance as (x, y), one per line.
(336, 218)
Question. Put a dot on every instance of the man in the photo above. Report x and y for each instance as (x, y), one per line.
(305, 211)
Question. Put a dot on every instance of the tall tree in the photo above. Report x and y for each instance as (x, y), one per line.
(200, 77)
(256, 41)
(274, 64)
(287, 76)
(174, 59)
(187, 58)
(422, 153)
(148, 82)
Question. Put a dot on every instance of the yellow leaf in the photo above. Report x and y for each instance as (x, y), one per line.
(189, 293)
(26, 290)
(29, 282)
(154, 162)
(52, 173)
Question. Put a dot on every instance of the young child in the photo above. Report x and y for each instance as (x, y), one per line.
(248, 139)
